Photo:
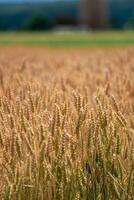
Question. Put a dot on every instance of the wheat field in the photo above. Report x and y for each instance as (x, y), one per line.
(66, 123)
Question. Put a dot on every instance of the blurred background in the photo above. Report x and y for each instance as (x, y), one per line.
(35, 15)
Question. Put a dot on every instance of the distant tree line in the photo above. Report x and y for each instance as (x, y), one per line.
(46, 16)
(38, 22)
(37, 16)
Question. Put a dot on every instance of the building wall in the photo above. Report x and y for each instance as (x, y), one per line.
(93, 14)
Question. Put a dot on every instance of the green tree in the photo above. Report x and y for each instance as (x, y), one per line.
(38, 22)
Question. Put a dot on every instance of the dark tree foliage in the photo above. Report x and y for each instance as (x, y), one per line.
(45, 15)
(131, 23)
(38, 22)
(66, 20)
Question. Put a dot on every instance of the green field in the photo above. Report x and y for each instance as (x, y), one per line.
(90, 39)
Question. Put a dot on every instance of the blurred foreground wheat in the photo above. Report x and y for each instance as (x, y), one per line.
(67, 124)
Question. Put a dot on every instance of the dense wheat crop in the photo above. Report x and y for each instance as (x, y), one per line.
(66, 124)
